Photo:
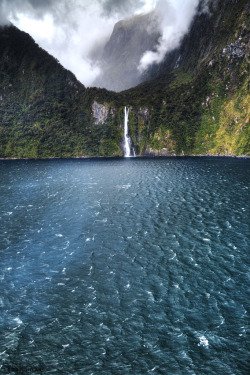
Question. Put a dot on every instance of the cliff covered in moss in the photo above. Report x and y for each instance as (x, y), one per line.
(195, 102)
(198, 97)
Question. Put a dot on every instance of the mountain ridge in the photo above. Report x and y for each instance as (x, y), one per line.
(122, 53)
(194, 105)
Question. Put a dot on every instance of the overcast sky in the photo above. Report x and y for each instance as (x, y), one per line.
(71, 29)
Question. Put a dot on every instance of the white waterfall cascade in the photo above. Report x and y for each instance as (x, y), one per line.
(127, 141)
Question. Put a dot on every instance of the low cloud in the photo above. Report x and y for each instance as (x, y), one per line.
(71, 29)
(111, 7)
(175, 17)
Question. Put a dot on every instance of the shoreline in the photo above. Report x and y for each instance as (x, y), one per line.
(132, 157)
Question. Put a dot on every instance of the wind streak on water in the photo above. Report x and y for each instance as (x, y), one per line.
(126, 266)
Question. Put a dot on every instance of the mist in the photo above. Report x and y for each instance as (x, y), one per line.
(175, 17)
(71, 30)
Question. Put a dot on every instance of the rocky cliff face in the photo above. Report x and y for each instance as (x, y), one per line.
(122, 53)
(100, 112)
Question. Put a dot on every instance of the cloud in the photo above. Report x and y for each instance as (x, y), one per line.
(175, 18)
(121, 7)
(61, 9)
(69, 29)
(9, 8)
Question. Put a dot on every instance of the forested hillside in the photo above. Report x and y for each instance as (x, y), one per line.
(195, 102)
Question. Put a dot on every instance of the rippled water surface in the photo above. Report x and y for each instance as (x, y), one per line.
(124, 266)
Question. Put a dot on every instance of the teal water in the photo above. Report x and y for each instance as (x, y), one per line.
(124, 266)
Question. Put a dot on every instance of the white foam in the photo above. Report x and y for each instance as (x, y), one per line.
(173, 257)
(18, 321)
(150, 295)
(203, 342)
(67, 245)
(91, 267)
(126, 186)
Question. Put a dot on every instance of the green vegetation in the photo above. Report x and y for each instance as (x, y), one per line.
(202, 107)
(180, 78)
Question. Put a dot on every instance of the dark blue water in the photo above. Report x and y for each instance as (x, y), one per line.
(124, 266)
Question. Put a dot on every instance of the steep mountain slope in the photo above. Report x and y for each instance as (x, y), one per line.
(195, 102)
(122, 53)
(44, 110)
(200, 91)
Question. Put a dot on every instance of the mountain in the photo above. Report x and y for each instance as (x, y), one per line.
(200, 91)
(121, 55)
(44, 110)
(195, 102)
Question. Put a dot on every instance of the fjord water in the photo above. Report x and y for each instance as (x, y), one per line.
(124, 266)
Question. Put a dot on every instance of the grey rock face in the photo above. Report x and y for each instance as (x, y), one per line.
(100, 112)
(128, 42)
(237, 49)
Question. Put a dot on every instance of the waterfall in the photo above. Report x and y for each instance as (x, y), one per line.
(127, 141)
(126, 137)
